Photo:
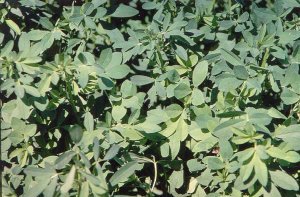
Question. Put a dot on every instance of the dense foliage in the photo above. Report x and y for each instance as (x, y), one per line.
(164, 97)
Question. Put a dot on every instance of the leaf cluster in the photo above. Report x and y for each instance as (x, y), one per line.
(150, 98)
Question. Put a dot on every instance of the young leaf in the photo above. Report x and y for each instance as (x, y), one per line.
(44, 84)
(112, 152)
(226, 150)
(7, 48)
(124, 172)
(76, 133)
(33, 171)
(181, 52)
(182, 90)
(38, 188)
(214, 163)
(200, 73)
(118, 112)
(88, 121)
(13, 26)
(197, 97)
(69, 181)
(174, 146)
(84, 189)
(231, 57)
(284, 180)
(141, 80)
(240, 72)
(64, 159)
(118, 71)
(105, 57)
(124, 11)
(261, 171)
(289, 97)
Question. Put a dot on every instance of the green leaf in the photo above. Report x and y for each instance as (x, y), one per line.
(112, 152)
(38, 188)
(258, 116)
(182, 90)
(229, 84)
(150, 5)
(179, 128)
(118, 71)
(13, 26)
(34, 171)
(284, 180)
(88, 121)
(118, 112)
(141, 80)
(7, 48)
(194, 165)
(84, 189)
(214, 163)
(274, 113)
(197, 97)
(273, 192)
(31, 90)
(69, 181)
(96, 149)
(289, 97)
(105, 83)
(240, 72)
(50, 189)
(19, 90)
(288, 36)
(44, 84)
(181, 52)
(76, 133)
(32, 60)
(230, 57)
(264, 15)
(124, 11)
(86, 58)
(174, 144)
(124, 173)
(231, 114)
(176, 179)
(205, 178)
(200, 73)
(290, 156)
(128, 89)
(173, 75)
(105, 57)
(173, 110)
(226, 150)
(261, 171)
(223, 129)
(289, 134)
(64, 159)
(148, 127)
(24, 42)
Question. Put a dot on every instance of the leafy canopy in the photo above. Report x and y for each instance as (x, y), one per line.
(165, 97)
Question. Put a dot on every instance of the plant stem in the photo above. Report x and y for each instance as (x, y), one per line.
(71, 100)
(108, 98)
(265, 58)
(155, 174)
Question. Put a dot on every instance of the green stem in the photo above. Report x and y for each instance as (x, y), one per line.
(71, 99)
(155, 174)
(108, 98)
(265, 58)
